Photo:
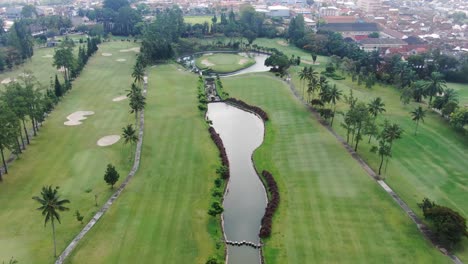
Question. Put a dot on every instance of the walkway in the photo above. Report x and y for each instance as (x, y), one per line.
(419, 223)
(117, 193)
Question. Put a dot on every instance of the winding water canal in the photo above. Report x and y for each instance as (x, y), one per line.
(245, 199)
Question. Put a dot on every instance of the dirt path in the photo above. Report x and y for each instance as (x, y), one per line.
(427, 233)
(117, 193)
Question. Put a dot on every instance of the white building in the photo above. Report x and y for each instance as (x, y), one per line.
(278, 11)
(328, 11)
(370, 6)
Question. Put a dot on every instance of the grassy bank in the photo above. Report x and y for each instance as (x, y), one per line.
(330, 210)
(67, 156)
(223, 62)
(162, 215)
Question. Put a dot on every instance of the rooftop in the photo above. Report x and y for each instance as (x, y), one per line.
(345, 27)
(383, 41)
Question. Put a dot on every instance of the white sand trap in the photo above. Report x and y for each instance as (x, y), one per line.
(120, 60)
(136, 49)
(282, 43)
(75, 118)
(106, 54)
(208, 54)
(120, 98)
(47, 56)
(243, 61)
(207, 63)
(7, 81)
(108, 140)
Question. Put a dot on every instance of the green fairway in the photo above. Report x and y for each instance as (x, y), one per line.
(330, 210)
(67, 156)
(40, 64)
(431, 164)
(462, 91)
(162, 217)
(223, 62)
(198, 19)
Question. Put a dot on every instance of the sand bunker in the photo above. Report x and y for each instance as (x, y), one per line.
(208, 54)
(136, 49)
(108, 140)
(243, 61)
(120, 60)
(106, 54)
(75, 118)
(120, 98)
(47, 56)
(282, 43)
(7, 81)
(207, 63)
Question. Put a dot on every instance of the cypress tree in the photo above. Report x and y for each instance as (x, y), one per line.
(58, 88)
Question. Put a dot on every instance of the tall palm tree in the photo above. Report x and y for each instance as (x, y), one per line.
(138, 73)
(129, 134)
(303, 77)
(434, 85)
(334, 96)
(391, 132)
(51, 205)
(134, 91)
(418, 114)
(137, 104)
(376, 107)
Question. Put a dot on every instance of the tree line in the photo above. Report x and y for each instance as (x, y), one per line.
(26, 100)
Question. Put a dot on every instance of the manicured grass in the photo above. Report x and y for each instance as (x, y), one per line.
(198, 19)
(462, 90)
(223, 62)
(289, 49)
(162, 216)
(68, 157)
(40, 64)
(330, 210)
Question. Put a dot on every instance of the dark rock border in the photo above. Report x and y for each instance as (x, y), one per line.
(272, 206)
(222, 151)
(257, 110)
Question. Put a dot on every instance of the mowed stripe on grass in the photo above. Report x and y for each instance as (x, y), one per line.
(330, 211)
(162, 217)
(67, 157)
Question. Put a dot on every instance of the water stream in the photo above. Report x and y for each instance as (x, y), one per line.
(245, 198)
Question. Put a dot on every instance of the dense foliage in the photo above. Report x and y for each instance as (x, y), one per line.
(272, 206)
(244, 105)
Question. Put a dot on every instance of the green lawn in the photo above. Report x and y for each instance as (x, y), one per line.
(224, 62)
(431, 164)
(40, 64)
(198, 19)
(330, 210)
(162, 215)
(462, 90)
(68, 157)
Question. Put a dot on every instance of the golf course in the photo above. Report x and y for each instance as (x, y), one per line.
(223, 62)
(330, 211)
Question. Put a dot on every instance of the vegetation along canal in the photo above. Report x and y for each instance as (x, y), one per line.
(245, 199)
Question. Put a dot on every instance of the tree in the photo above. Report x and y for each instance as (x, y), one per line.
(303, 77)
(138, 73)
(359, 115)
(79, 217)
(418, 114)
(111, 176)
(334, 96)
(434, 85)
(459, 118)
(57, 87)
(383, 150)
(129, 134)
(448, 225)
(374, 35)
(64, 59)
(115, 5)
(137, 104)
(28, 11)
(9, 125)
(51, 205)
(376, 107)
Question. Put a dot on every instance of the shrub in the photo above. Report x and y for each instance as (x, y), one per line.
(222, 151)
(255, 109)
(272, 206)
(215, 209)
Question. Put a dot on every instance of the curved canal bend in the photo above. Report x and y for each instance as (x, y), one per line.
(245, 199)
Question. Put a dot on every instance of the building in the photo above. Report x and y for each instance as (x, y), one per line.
(370, 6)
(350, 30)
(340, 19)
(13, 12)
(373, 44)
(311, 24)
(278, 11)
(328, 11)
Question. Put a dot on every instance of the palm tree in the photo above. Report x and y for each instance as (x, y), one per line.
(129, 134)
(134, 91)
(376, 107)
(418, 114)
(303, 77)
(137, 104)
(138, 73)
(334, 95)
(51, 205)
(391, 132)
(434, 85)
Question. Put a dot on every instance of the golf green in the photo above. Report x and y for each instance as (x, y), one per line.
(223, 62)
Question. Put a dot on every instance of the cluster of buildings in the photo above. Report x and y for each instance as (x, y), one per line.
(402, 26)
